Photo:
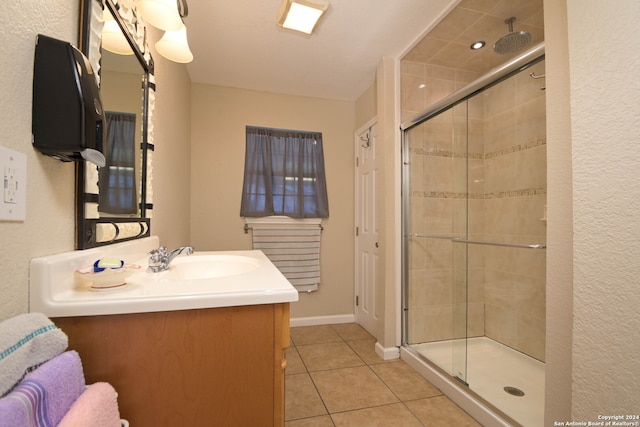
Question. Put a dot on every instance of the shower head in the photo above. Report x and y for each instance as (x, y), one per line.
(512, 42)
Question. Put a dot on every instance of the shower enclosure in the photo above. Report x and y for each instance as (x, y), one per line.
(474, 230)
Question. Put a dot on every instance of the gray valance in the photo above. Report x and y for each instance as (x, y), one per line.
(284, 174)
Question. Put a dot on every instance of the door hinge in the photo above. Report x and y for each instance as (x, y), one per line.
(357, 300)
(357, 161)
(357, 231)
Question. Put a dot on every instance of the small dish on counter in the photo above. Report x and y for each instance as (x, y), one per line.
(108, 278)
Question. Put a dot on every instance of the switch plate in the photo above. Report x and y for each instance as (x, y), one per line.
(13, 166)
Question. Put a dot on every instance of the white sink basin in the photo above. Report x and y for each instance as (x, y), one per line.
(201, 280)
(211, 266)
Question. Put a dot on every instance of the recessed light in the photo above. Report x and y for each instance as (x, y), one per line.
(477, 45)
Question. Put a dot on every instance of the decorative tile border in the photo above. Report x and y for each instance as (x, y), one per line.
(445, 153)
(477, 196)
(478, 156)
(516, 148)
(516, 193)
(437, 152)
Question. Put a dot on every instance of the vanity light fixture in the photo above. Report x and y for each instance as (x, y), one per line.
(477, 45)
(174, 46)
(112, 38)
(301, 15)
(168, 15)
(162, 14)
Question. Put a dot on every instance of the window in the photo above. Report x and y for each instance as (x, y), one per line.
(117, 180)
(284, 174)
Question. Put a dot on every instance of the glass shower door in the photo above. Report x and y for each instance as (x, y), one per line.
(436, 181)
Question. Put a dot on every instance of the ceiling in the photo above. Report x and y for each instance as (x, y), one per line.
(448, 44)
(236, 43)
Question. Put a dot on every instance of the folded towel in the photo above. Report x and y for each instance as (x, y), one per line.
(96, 407)
(45, 395)
(26, 341)
(294, 250)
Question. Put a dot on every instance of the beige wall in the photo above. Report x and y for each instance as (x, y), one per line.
(218, 119)
(559, 303)
(388, 192)
(366, 106)
(604, 119)
(593, 326)
(49, 225)
(172, 156)
(592, 296)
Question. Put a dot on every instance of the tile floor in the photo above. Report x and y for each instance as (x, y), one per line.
(335, 378)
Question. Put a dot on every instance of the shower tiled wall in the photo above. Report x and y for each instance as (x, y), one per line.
(504, 175)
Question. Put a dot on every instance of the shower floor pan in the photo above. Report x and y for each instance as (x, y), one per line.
(491, 367)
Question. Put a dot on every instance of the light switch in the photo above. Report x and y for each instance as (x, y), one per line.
(13, 166)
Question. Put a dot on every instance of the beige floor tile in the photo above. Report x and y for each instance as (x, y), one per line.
(351, 331)
(440, 411)
(301, 399)
(333, 355)
(351, 388)
(323, 421)
(303, 335)
(366, 349)
(334, 378)
(396, 415)
(294, 362)
(406, 383)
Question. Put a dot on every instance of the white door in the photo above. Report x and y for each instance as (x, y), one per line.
(366, 228)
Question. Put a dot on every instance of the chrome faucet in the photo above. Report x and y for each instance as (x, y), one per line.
(159, 259)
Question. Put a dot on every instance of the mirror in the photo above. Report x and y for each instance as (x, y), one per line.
(113, 203)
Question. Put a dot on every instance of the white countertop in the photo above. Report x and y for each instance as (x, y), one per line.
(56, 292)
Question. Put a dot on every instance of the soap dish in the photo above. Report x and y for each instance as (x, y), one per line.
(109, 278)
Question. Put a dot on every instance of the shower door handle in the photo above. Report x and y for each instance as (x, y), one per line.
(508, 245)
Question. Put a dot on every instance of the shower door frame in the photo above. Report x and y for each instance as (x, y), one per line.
(495, 76)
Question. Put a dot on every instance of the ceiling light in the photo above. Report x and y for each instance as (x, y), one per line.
(174, 46)
(162, 14)
(477, 45)
(113, 39)
(301, 15)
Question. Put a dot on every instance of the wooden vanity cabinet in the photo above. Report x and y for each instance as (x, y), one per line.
(208, 367)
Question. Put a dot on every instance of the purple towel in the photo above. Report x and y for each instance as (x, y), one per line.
(45, 395)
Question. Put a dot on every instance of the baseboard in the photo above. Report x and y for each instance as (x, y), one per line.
(322, 320)
(387, 353)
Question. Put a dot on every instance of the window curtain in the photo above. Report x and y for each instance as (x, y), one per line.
(117, 180)
(284, 174)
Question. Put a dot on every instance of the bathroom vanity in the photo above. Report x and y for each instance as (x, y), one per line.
(206, 367)
(201, 344)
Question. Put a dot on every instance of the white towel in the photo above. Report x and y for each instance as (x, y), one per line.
(294, 250)
(26, 341)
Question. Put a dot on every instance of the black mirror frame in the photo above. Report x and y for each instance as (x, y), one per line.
(87, 228)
